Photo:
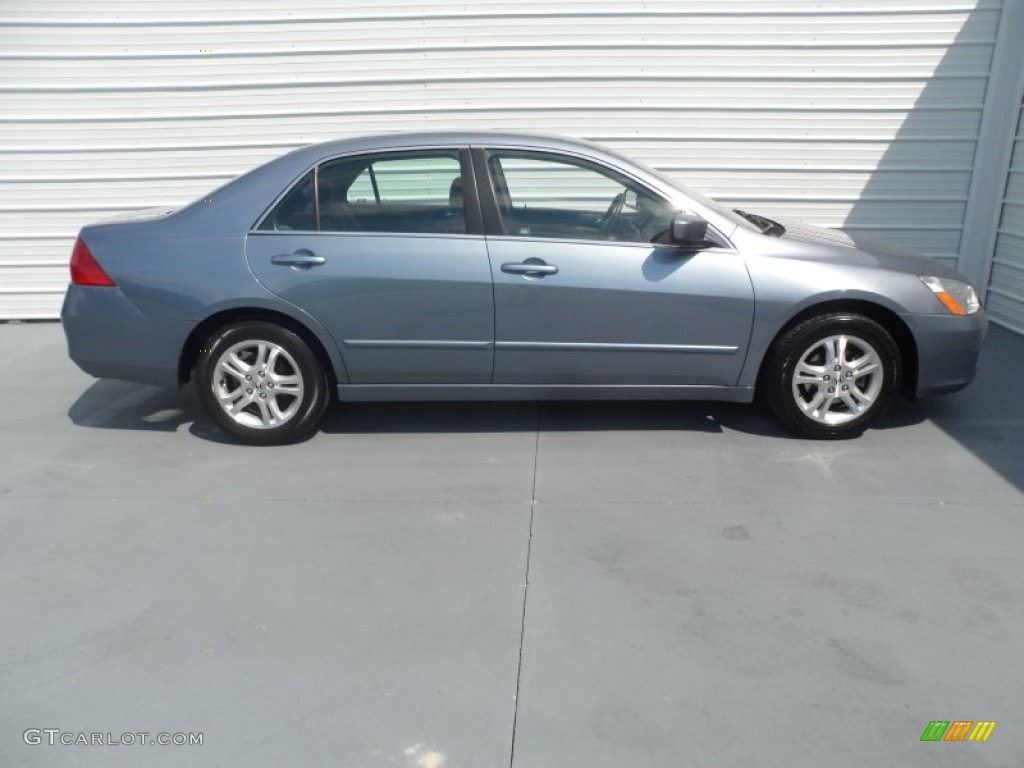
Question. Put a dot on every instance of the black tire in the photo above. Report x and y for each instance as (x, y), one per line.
(809, 345)
(294, 366)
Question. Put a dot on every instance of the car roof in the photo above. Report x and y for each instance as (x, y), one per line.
(315, 153)
(434, 138)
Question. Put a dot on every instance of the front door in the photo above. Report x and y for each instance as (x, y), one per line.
(585, 294)
(385, 257)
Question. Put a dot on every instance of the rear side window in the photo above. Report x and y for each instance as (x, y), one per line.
(419, 193)
(408, 193)
(296, 210)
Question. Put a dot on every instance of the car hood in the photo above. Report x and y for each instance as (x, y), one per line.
(836, 247)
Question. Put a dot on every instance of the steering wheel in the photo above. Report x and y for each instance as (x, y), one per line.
(610, 221)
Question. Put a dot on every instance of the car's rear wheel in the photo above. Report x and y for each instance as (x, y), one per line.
(833, 375)
(261, 383)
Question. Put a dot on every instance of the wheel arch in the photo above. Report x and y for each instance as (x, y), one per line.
(884, 316)
(191, 349)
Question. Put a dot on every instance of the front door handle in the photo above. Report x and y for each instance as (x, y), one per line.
(530, 268)
(301, 259)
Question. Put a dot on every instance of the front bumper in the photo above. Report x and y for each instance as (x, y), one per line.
(947, 351)
(109, 338)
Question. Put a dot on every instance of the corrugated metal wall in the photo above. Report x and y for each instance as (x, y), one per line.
(1006, 286)
(859, 113)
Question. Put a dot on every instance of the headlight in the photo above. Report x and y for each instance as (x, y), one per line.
(956, 296)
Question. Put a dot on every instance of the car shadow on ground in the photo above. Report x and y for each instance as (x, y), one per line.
(109, 404)
(987, 418)
(394, 418)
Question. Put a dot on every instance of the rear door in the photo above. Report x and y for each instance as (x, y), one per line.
(586, 294)
(387, 252)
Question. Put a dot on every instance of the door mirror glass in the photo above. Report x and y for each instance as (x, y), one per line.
(689, 230)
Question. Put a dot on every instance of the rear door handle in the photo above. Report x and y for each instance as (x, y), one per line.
(530, 268)
(302, 259)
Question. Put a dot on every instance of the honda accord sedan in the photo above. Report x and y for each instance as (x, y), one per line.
(494, 266)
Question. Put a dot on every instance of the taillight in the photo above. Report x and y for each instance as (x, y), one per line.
(85, 270)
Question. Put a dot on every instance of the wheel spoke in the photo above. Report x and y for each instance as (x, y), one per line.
(280, 380)
(862, 366)
(272, 359)
(261, 355)
(228, 398)
(840, 350)
(265, 416)
(238, 361)
(861, 397)
(815, 402)
(851, 402)
(275, 410)
(824, 406)
(805, 370)
(830, 347)
(238, 405)
(233, 366)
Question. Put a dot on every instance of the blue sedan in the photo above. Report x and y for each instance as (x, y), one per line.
(491, 266)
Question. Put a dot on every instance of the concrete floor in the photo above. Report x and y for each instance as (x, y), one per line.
(703, 590)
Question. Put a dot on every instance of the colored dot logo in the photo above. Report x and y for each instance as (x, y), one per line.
(958, 730)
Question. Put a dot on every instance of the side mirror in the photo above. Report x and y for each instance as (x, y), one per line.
(689, 230)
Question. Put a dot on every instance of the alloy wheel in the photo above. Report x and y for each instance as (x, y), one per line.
(837, 379)
(258, 384)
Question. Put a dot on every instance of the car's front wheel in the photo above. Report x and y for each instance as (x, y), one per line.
(831, 376)
(261, 383)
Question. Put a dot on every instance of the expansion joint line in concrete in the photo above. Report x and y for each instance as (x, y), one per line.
(526, 589)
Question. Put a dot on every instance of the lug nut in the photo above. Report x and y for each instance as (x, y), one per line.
(263, 395)
(248, 377)
(827, 377)
(838, 368)
(270, 385)
(831, 390)
(248, 391)
(845, 387)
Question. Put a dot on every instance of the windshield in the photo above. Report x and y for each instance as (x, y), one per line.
(714, 205)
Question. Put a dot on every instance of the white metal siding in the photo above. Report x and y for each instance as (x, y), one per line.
(862, 114)
(1005, 301)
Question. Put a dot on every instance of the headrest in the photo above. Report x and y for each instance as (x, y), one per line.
(455, 193)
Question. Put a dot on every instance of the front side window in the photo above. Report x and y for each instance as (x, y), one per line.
(406, 193)
(547, 196)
